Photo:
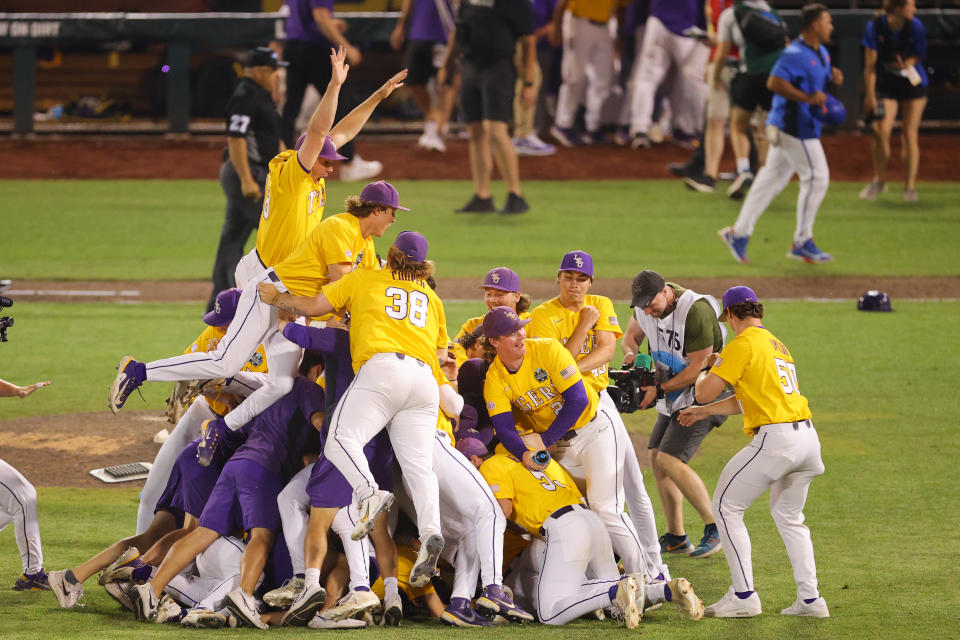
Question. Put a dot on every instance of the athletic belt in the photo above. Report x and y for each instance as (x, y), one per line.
(273, 275)
(570, 435)
(562, 511)
(779, 427)
(403, 356)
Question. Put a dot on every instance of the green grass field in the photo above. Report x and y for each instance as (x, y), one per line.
(882, 386)
(161, 229)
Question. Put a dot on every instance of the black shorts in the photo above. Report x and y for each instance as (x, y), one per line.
(486, 92)
(418, 59)
(749, 91)
(672, 438)
(891, 87)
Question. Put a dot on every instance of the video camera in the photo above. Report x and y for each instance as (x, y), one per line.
(6, 321)
(626, 389)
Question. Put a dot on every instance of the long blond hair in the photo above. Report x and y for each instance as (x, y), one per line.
(397, 260)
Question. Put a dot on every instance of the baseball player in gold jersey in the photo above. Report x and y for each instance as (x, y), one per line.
(570, 569)
(501, 288)
(588, 328)
(398, 335)
(783, 456)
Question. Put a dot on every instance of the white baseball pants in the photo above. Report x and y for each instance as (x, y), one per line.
(186, 431)
(595, 458)
(661, 48)
(788, 156)
(18, 504)
(248, 268)
(635, 493)
(578, 567)
(294, 505)
(255, 323)
(587, 71)
(785, 461)
(403, 393)
(356, 551)
(218, 569)
(466, 497)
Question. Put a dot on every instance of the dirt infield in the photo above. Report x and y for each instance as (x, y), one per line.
(200, 158)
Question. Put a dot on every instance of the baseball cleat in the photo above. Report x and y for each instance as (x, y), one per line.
(737, 246)
(145, 603)
(38, 581)
(370, 509)
(168, 611)
(809, 252)
(120, 591)
(460, 614)
(244, 607)
(65, 587)
(308, 602)
(211, 431)
(426, 564)
(203, 619)
(286, 594)
(320, 622)
(701, 182)
(356, 601)
(683, 596)
(392, 610)
(130, 375)
(495, 599)
(121, 568)
(640, 141)
(630, 598)
(670, 543)
(564, 135)
(515, 204)
(872, 190)
(732, 606)
(740, 184)
(816, 609)
(477, 205)
(709, 544)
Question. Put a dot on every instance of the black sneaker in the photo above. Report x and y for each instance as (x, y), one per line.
(515, 204)
(478, 205)
(682, 169)
(701, 182)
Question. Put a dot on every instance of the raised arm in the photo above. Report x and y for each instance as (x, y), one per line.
(347, 129)
(322, 119)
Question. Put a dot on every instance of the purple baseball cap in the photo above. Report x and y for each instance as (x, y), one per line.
(382, 192)
(329, 151)
(224, 308)
(579, 261)
(412, 244)
(472, 447)
(503, 279)
(736, 295)
(501, 321)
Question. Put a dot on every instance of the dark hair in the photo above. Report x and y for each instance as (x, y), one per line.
(891, 6)
(523, 304)
(746, 310)
(811, 13)
(310, 360)
(489, 351)
(398, 261)
(357, 207)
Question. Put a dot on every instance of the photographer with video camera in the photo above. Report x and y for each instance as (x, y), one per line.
(682, 331)
(6, 321)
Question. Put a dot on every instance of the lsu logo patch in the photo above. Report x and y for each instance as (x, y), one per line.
(569, 371)
(578, 260)
(540, 375)
(495, 278)
(491, 405)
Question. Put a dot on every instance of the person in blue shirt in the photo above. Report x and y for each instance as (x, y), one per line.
(798, 81)
(894, 46)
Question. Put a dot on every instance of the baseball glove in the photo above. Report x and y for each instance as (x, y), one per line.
(184, 392)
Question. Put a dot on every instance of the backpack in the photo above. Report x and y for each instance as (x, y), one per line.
(761, 28)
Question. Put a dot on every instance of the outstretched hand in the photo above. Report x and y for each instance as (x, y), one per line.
(392, 84)
(30, 388)
(338, 65)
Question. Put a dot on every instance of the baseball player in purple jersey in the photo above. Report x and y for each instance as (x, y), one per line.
(665, 46)
(327, 493)
(244, 498)
(426, 25)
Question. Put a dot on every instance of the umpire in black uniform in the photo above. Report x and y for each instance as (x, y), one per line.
(253, 138)
(486, 36)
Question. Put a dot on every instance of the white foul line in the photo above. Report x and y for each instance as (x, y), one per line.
(93, 293)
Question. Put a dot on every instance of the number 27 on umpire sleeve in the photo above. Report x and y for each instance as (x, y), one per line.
(788, 375)
(408, 304)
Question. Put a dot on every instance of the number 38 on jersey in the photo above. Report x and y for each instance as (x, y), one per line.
(410, 305)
